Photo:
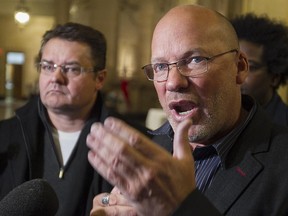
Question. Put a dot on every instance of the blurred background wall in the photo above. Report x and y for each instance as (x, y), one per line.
(127, 25)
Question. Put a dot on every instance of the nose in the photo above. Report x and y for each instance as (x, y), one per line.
(58, 75)
(171, 65)
(175, 79)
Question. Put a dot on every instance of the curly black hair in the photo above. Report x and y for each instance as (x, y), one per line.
(80, 33)
(272, 35)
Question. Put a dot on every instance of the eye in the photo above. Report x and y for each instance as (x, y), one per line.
(192, 62)
(195, 60)
(255, 67)
(47, 67)
(72, 69)
(160, 67)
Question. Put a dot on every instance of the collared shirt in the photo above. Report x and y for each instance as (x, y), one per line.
(209, 159)
(224, 145)
(221, 146)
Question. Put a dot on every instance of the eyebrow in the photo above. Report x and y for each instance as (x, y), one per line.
(196, 51)
(66, 63)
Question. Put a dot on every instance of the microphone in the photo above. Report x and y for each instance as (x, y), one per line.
(35, 197)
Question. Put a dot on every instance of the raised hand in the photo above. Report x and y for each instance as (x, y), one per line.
(153, 181)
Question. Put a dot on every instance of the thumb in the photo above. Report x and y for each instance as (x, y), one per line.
(115, 190)
(181, 147)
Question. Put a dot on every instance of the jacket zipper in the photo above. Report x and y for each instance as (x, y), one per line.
(61, 172)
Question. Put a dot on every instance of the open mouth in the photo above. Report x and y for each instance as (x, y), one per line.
(182, 108)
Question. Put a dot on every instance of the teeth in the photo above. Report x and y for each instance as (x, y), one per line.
(185, 113)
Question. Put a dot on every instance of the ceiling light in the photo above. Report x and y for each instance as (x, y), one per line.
(21, 14)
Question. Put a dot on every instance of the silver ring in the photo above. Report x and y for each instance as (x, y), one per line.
(105, 199)
(150, 193)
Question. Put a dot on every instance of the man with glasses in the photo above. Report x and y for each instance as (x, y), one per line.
(47, 137)
(192, 66)
(239, 157)
(265, 42)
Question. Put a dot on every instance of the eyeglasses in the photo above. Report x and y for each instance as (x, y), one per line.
(192, 67)
(69, 70)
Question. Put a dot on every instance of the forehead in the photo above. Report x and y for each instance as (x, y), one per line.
(192, 28)
(64, 47)
(253, 51)
(175, 38)
(60, 49)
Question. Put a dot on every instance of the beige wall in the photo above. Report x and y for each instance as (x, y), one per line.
(128, 26)
(275, 9)
(26, 40)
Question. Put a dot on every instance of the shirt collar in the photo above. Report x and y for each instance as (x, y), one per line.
(223, 145)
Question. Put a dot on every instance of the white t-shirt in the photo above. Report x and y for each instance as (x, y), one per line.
(65, 143)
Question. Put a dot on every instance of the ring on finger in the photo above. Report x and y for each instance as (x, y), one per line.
(105, 199)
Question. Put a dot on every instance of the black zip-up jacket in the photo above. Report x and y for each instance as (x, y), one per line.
(22, 138)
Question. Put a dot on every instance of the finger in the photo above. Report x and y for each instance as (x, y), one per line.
(123, 130)
(102, 139)
(98, 152)
(113, 211)
(109, 150)
(182, 150)
(129, 173)
(105, 145)
(115, 190)
(114, 199)
(181, 147)
(98, 212)
(124, 166)
(116, 161)
(97, 132)
(133, 137)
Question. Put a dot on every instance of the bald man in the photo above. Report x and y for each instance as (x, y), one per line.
(238, 165)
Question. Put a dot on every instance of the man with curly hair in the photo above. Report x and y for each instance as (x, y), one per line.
(265, 42)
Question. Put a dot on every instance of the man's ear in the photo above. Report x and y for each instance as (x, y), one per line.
(243, 68)
(100, 78)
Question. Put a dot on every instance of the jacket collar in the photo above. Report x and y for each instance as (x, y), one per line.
(242, 164)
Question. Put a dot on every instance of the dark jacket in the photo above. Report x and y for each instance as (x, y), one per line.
(22, 157)
(254, 180)
(277, 110)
